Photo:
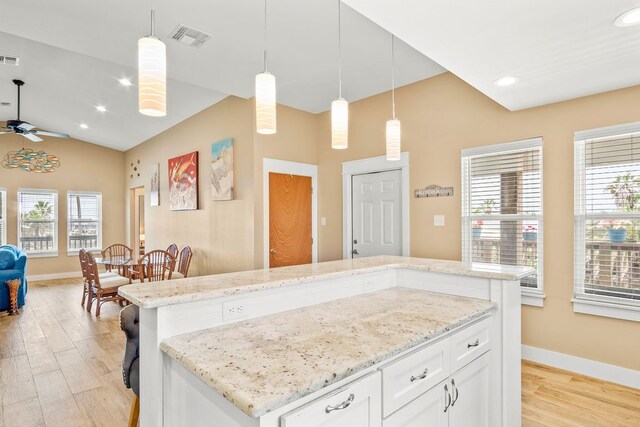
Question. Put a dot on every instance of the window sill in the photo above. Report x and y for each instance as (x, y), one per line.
(75, 252)
(532, 297)
(42, 255)
(605, 309)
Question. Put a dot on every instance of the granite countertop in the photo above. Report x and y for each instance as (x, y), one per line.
(157, 294)
(262, 364)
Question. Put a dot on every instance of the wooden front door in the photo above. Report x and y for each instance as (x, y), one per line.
(290, 234)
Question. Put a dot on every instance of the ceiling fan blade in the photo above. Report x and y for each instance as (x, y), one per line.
(32, 137)
(55, 134)
(26, 126)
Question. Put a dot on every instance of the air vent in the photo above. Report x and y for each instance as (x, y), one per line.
(9, 60)
(189, 36)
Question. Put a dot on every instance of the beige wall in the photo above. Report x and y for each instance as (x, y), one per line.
(442, 115)
(84, 167)
(225, 235)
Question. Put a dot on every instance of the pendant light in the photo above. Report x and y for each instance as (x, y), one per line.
(265, 93)
(393, 126)
(152, 73)
(339, 107)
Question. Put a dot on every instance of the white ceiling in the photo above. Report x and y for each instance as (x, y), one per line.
(560, 49)
(72, 53)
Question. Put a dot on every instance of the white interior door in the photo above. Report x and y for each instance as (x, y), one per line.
(377, 214)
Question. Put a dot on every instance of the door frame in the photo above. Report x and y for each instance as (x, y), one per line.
(293, 168)
(371, 165)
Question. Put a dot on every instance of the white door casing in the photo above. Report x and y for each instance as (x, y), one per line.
(377, 213)
(364, 166)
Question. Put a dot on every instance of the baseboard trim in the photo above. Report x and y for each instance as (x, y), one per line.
(53, 276)
(591, 368)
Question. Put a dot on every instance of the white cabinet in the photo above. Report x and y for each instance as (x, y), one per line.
(462, 400)
(470, 395)
(357, 404)
(426, 410)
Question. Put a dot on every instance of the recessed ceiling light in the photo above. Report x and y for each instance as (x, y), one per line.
(629, 18)
(506, 81)
(84, 126)
(125, 82)
(101, 108)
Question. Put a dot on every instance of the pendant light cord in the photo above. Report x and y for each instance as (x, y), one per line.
(266, 68)
(153, 18)
(393, 76)
(339, 51)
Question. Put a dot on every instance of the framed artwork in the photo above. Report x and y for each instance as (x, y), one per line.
(154, 197)
(222, 170)
(183, 182)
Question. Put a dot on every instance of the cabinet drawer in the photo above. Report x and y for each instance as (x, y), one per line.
(409, 377)
(355, 405)
(469, 344)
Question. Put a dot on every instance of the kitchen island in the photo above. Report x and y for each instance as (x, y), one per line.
(333, 342)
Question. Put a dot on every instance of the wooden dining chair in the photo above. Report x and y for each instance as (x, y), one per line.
(102, 290)
(173, 250)
(183, 263)
(117, 251)
(86, 288)
(155, 266)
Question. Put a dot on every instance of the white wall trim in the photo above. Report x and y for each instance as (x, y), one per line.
(523, 144)
(373, 164)
(533, 297)
(604, 132)
(53, 276)
(591, 368)
(605, 309)
(294, 168)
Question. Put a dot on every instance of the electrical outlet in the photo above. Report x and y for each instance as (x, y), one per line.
(234, 310)
(438, 220)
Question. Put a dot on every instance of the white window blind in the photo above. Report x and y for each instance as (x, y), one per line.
(37, 221)
(502, 206)
(3, 217)
(84, 223)
(607, 218)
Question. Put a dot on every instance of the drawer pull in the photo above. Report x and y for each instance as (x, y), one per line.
(343, 405)
(475, 344)
(455, 392)
(447, 398)
(421, 376)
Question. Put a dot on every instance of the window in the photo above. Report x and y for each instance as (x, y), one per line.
(607, 222)
(502, 208)
(38, 221)
(84, 226)
(3, 216)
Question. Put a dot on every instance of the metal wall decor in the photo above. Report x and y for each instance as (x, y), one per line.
(31, 161)
(433, 191)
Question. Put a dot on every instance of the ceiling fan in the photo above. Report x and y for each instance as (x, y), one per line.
(26, 129)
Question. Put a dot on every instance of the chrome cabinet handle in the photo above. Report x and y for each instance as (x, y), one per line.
(447, 398)
(342, 405)
(454, 389)
(475, 344)
(421, 376)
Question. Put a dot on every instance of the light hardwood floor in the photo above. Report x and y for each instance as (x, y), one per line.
(60, 366)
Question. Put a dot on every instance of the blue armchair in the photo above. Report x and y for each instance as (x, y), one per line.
(13, 265)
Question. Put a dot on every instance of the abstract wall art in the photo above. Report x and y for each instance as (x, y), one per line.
(222, 170)
(154, 196)
(183, 182)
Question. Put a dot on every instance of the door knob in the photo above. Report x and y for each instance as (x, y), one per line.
(355, 252)
(273, 251)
